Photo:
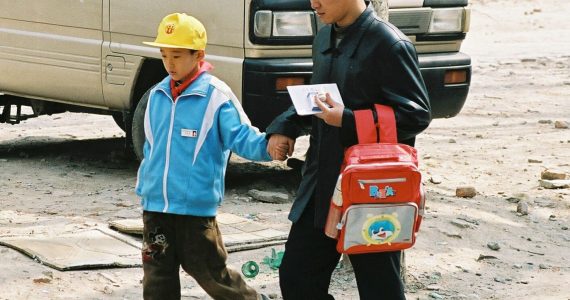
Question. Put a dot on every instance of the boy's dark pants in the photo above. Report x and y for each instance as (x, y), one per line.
(195, 243)
(311, 257)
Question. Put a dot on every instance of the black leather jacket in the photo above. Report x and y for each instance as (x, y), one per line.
(374, 63)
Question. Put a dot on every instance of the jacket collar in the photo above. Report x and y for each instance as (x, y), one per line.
(353, 36)
(199, 87)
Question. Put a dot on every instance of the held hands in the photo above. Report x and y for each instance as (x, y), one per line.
(332, 111)
(279, 146)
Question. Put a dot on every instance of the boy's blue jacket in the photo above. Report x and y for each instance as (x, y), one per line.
(188, 143)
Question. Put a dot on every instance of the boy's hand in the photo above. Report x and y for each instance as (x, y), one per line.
(279, 146)
(332, 111)
(281, 152)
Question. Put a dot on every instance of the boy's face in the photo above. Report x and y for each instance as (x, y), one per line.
(181, 63)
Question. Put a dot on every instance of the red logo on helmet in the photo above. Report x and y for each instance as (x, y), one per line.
(169, 28)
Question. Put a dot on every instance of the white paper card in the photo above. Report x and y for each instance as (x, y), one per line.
(303, 96)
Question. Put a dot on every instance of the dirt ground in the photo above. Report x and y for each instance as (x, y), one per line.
(67, 172)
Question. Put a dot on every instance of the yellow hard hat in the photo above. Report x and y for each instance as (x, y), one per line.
(180, 31)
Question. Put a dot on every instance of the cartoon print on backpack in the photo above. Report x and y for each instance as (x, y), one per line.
(381, 229)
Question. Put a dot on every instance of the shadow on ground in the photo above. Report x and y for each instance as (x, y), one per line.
(109, 153)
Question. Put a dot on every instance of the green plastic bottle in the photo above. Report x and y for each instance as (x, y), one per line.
(250, 269)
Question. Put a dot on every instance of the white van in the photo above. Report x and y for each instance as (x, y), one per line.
(88, 56)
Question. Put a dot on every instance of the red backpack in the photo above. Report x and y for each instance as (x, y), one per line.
(379, 199)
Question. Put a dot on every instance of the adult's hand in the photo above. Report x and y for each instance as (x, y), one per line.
(332, 111)
(279, 146)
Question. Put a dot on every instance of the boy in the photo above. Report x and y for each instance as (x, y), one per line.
(192, 121)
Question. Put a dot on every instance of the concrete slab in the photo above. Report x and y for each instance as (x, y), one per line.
(101, 247)
(88, 249)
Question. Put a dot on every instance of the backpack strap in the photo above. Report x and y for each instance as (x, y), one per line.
(372, 128)
(386, 123)
(365, 126)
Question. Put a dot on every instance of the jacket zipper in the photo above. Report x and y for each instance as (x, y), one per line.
(167, 162)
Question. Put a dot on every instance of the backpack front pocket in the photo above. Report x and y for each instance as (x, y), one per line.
(370, 228)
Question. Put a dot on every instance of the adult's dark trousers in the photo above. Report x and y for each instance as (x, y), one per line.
(310, 258)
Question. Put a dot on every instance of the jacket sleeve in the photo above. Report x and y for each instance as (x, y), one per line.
(240, 137)
(405, 90)
(288, 123)
(402, 88)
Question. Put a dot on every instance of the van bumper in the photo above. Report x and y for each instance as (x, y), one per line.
(446, 99)
(262, 102)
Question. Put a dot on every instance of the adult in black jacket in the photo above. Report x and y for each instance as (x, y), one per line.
(371, 61)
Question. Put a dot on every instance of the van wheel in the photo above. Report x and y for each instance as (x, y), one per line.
(138, 125)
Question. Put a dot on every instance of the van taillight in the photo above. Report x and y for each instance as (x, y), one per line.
(455, 76)
(281, 83)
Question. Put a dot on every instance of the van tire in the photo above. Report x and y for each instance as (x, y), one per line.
(138, 125)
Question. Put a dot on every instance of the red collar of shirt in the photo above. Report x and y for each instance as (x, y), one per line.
(176, 90)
